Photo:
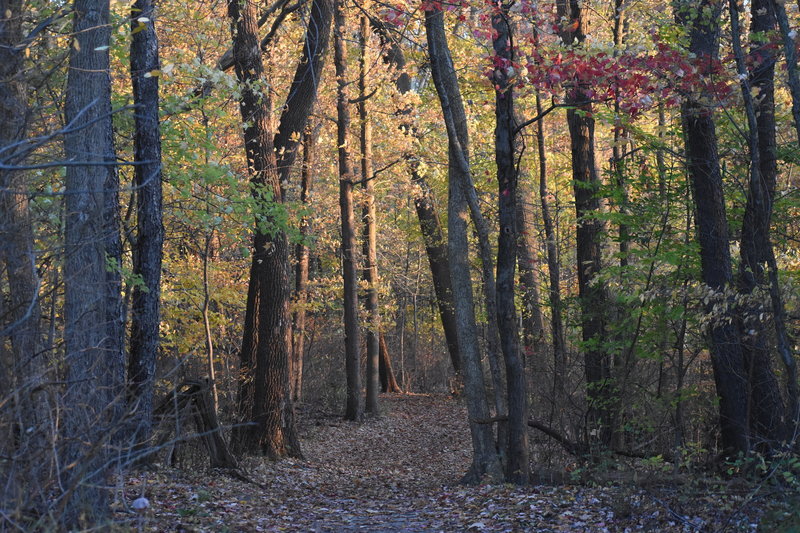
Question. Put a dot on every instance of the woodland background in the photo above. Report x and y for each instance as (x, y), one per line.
(579, 217)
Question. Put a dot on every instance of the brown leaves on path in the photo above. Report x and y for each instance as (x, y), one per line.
(400, 473)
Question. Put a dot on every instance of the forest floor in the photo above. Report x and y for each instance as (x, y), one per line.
(400, 473)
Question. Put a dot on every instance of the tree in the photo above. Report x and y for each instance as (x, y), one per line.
(370, 225)
(18, 262)
(264, 393)
(586, 182)
(353, 407)
(485, 461)
(712, 226)
(145, 308)
(93, 338)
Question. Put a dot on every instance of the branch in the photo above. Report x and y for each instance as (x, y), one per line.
(375, 174)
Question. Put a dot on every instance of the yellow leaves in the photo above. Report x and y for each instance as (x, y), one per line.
(152, 74)
(76, 45)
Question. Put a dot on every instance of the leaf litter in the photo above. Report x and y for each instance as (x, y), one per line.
(400, 472)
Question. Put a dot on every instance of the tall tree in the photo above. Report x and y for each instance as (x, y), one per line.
(370, 225)
(264, 391)
(485, 461)
(18, 261)
(517, 463)
(93, 337)
(702, 163)
(353, 407)
(586, 183)
(147, 250)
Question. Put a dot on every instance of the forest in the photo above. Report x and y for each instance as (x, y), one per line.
(339, 265)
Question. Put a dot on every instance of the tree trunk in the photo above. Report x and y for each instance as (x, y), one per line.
(92, 304)
(388, 380)
(370, 235)
(485, 461)
(264, 390)
(712, 233)
(301, 268)
(18, 259)
(145, 312)
(589, 233)
(517, 462)
(353, 408)
(527, 260)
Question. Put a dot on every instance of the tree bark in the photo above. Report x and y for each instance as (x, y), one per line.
(264, 389)
(145, 309)
(18, 260)
(369, 235)
(353, 407)
(92, 304)
(388, 380)
(517, 462)
(712, 233)
(485, 461)
(589, 232)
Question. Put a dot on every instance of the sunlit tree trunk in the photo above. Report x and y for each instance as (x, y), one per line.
(264, 389)
(485, 461)
(370, 233)
(353, 407)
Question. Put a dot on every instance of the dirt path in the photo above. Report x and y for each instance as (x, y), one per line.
(398, 473)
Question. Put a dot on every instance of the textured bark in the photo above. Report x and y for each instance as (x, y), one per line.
(790, 50)
(21, 317)
(712, 234)
(301, 266)
(485, 461)
(388, 380)
(369, 234)
(768, 414)
(92, 304)
(588, 236)
(517, 462)
(353, 407)
(264, 389)
(147, 251)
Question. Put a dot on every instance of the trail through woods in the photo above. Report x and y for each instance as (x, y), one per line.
(400, 473)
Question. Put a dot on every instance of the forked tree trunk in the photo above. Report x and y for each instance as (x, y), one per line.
(93, 336)
(485, 461)
(264, 390)
(369, 233)
(353, 407)
(517, 463)
(145, 312)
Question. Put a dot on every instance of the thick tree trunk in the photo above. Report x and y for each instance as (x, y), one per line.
(145, 312)
(354, 407)
(517, 462)
(369, 235)
(92, 304)
(301, 267)
(17, 258)
(588, 238)
(712, 233)
(485, 461)
(264, 389)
